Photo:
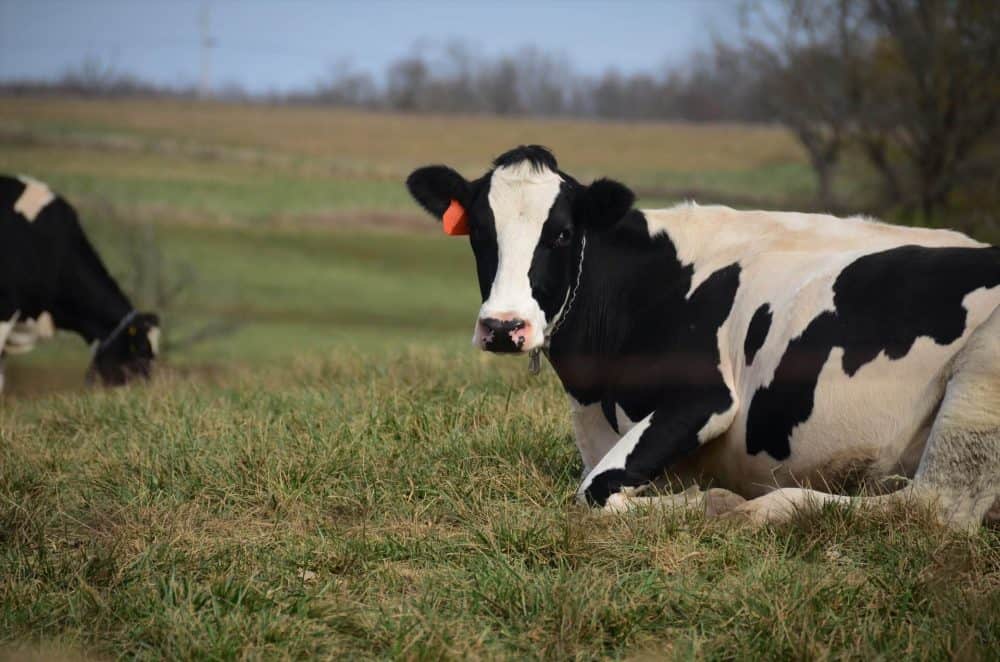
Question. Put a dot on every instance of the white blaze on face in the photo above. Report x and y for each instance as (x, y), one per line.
(154, 340)
(35, 197)
(520, 198)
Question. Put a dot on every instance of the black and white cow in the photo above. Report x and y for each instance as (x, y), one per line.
(760, 352)
(51, 275)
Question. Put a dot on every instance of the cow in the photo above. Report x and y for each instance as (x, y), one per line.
(777, 361)
(52, 278)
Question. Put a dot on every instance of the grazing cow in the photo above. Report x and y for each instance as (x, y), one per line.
(51, 277)
(760, 352)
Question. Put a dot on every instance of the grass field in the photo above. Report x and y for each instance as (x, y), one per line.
(340, 474)
(417, 505)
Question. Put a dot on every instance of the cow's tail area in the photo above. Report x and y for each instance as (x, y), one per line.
(961, 462)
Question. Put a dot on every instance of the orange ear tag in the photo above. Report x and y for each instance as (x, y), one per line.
(456, 221)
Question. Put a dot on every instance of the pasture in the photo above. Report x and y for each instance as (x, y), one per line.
(331, 469)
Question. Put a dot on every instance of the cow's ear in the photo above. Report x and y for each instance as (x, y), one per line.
(603, 203)
(435, 187)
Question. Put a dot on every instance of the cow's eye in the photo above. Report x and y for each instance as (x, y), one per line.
(562, 239)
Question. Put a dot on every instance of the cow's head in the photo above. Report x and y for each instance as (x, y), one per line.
(129, 352)
(525, 219)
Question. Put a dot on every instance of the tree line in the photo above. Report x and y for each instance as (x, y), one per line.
(712, 86)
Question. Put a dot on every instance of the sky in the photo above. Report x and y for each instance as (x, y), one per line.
(283, 45)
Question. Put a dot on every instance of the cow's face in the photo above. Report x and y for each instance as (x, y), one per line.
(129, 354)
(524, 219)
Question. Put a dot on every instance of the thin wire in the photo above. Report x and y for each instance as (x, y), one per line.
(570, 297)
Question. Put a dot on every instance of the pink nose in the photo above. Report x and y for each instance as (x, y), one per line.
(503, 335)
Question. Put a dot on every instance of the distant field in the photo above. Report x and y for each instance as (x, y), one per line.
(276, 163)
(391, 143)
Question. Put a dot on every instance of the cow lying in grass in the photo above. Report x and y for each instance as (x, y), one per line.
(51, 277)
(760, 352)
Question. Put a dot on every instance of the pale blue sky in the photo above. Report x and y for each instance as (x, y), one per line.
(281, 45)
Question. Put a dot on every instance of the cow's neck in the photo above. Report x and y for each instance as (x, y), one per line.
(630, 300)
(87, 300)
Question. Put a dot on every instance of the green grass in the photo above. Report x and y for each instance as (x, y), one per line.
(419, 505)
(181, 186)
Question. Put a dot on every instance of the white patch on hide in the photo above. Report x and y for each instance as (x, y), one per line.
(594, 436)
(617, 456)
(25, 333)
(621, 418)
(35, 197)
(717, 423)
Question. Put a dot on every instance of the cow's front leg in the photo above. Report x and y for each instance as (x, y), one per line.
(594, 435)
(650, 448)
(711, 502)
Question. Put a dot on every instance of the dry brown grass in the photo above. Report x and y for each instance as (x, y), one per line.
(395, 142)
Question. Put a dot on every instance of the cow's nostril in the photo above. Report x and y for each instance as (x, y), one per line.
(492, 324)
(502, 326)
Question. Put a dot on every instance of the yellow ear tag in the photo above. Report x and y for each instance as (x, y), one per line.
(456, 221)
(132, 331)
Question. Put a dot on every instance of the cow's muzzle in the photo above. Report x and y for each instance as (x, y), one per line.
(503, 335)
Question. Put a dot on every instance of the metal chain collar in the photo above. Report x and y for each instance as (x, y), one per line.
(534, 356)
(104, 344)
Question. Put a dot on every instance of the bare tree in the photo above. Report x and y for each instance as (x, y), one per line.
(808, 58)
(933, 94)
(543, 81)
(346, 86)
(499, 83)
(408, 79)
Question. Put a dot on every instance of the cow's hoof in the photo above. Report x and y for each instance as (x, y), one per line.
(619, 503)
(773, 508)
(993, 514)
(719, 501)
